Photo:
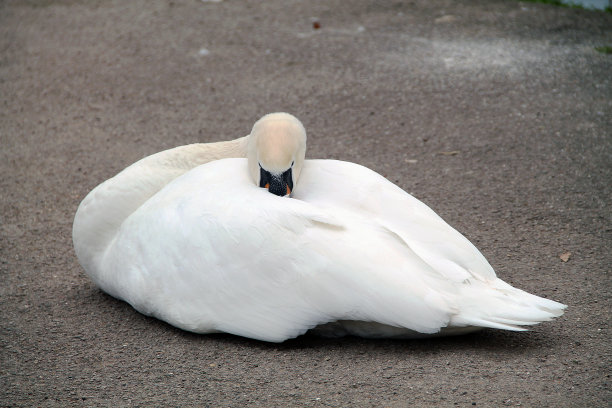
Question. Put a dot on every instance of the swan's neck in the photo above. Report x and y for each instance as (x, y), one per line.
(185, 158)
(106, 207)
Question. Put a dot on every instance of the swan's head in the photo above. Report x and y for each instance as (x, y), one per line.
(276, 150)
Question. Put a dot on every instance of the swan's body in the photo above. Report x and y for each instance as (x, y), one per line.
(207, 250)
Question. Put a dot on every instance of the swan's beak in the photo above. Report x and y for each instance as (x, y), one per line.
(278, 184)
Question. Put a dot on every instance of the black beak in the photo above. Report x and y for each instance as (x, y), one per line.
(279, 184)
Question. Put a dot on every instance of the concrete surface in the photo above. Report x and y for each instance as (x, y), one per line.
(495, 113)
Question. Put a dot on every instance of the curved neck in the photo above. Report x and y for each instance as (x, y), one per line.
(106, 207)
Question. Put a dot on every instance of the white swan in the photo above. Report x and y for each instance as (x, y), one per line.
(188, 236)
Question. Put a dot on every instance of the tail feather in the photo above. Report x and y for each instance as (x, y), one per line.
(465, 321)
(502, 306)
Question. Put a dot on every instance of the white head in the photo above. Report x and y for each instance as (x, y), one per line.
(276, 150)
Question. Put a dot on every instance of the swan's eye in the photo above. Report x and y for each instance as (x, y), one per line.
(292, 163)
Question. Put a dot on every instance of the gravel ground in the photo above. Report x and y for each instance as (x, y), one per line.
(497, 114)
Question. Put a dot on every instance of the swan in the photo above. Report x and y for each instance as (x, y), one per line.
(247, 237)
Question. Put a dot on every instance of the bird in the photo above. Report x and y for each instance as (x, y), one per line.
(247, 237)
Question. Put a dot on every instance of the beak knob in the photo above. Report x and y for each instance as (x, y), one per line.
(278, 184)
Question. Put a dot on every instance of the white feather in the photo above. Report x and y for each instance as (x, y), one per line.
(350, 253)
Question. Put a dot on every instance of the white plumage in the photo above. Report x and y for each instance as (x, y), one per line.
(207, 250)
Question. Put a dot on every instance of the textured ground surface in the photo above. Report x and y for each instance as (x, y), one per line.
(495, 113)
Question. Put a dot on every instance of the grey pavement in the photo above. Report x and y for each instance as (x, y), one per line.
(497, 114)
